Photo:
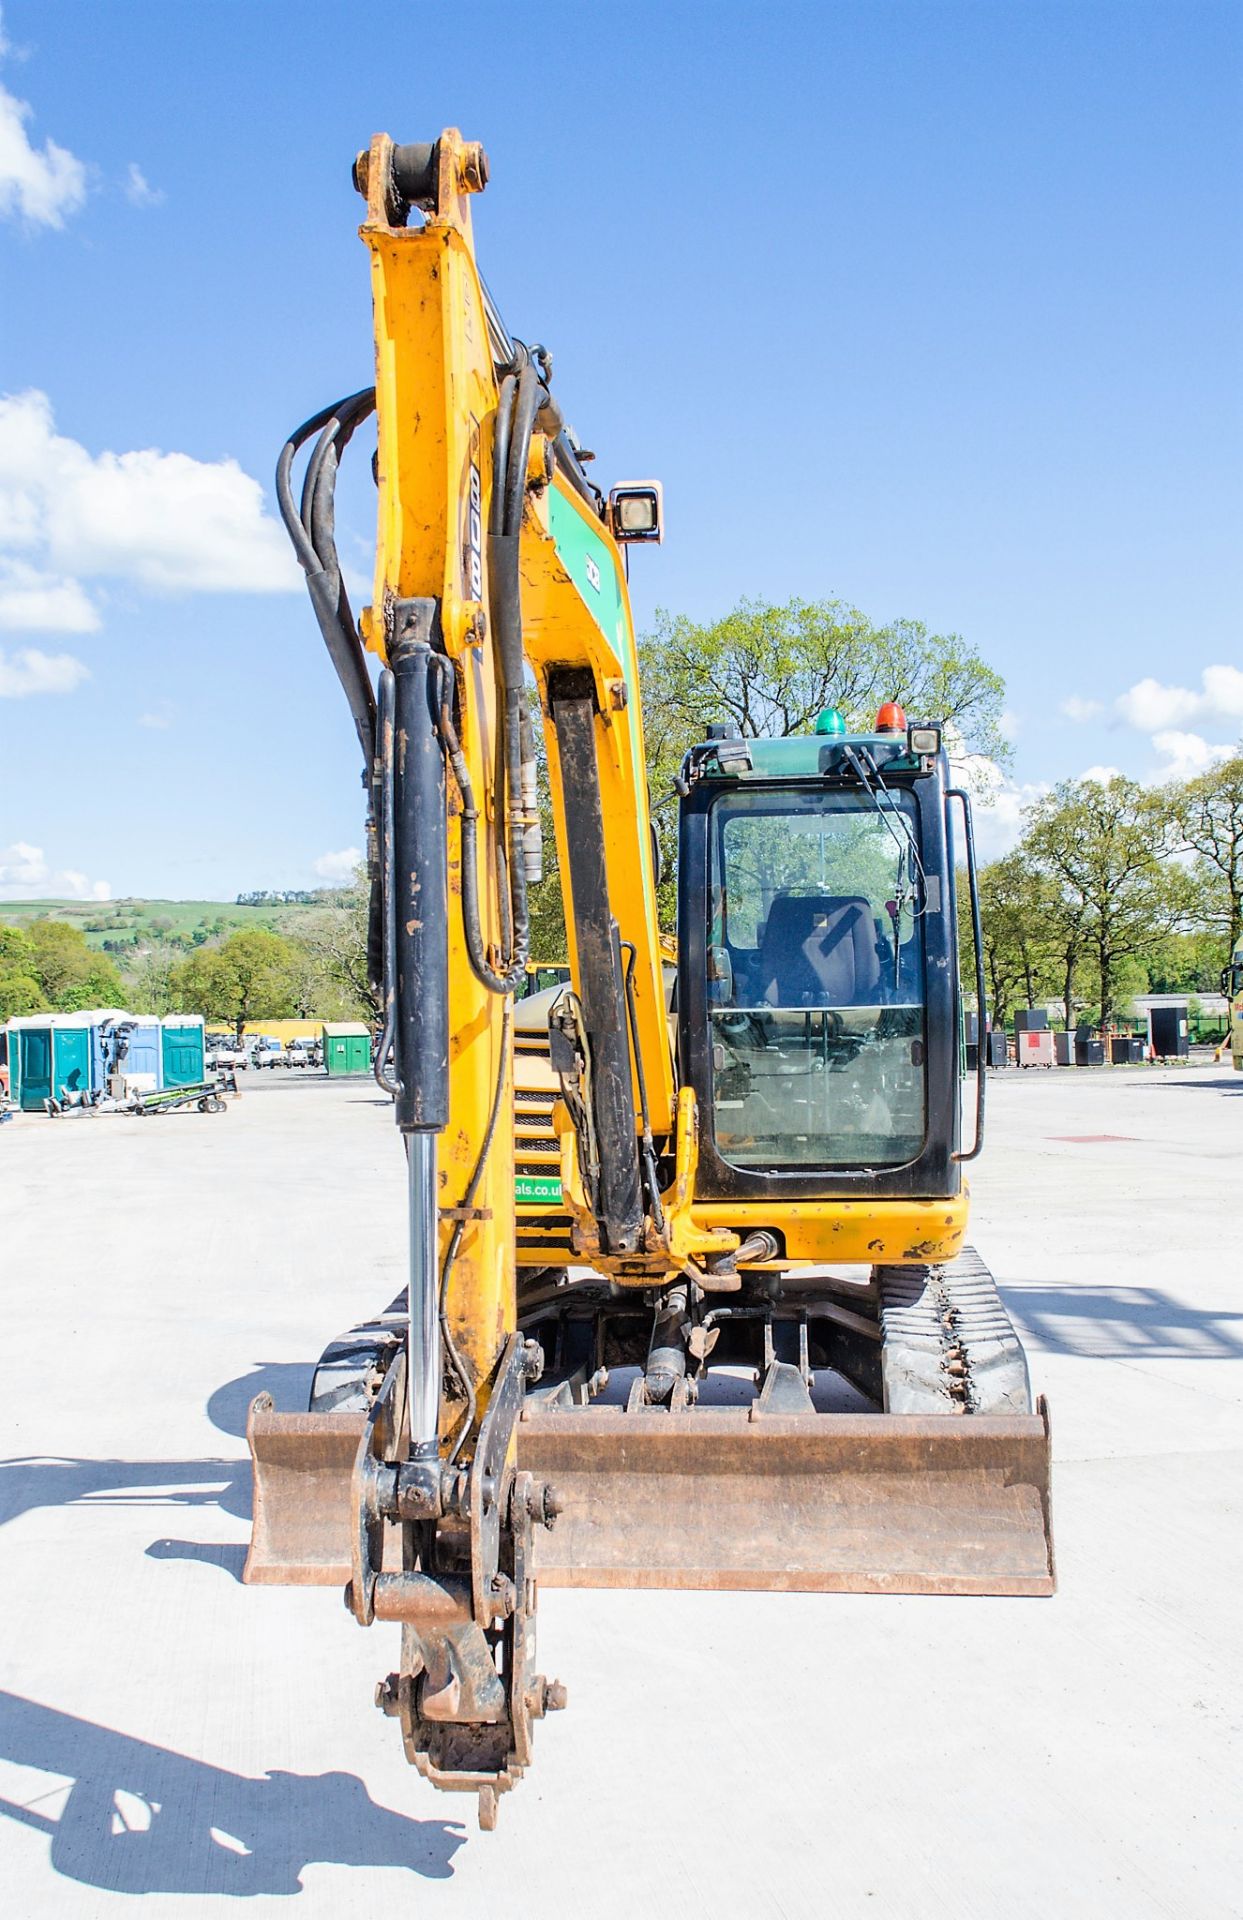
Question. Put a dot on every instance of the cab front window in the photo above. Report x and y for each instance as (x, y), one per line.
(816, 979)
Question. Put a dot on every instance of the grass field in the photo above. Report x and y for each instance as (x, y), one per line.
(153, 920)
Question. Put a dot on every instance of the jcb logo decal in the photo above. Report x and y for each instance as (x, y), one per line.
(474, 538)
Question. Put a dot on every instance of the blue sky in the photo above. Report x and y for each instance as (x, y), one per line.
(932, 307)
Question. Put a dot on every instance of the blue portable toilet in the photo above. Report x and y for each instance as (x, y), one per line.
(138, 1039)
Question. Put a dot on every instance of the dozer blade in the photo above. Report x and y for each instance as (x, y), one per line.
(713, 1498)
(819, 1503)
(302, 1465)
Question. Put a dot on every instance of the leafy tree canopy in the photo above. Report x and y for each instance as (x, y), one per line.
(254, 976)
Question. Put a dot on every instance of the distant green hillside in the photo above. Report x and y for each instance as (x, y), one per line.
(115, 923)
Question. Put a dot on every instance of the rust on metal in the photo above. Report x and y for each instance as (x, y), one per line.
(710, 1499)
(836, 1503)
(303, 1465)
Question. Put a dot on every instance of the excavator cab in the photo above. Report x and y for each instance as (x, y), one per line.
(818, 969)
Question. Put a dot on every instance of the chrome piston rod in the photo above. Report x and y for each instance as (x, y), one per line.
(423, 1362)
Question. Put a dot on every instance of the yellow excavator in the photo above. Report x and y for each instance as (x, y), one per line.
(688, 1303)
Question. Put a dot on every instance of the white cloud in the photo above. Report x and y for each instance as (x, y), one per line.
(1184, 755)
(998, 802)
(27, 671)
(1101, 775)
(138, 189)
(39, 185)
(159, 717)
(162, 521)
(25, 875)
(1082, 710)
(1152, 708)
(1009, 726)
(35, 602)
(338, 868)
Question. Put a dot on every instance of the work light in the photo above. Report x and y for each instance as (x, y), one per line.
(636, 511)
(923, 743)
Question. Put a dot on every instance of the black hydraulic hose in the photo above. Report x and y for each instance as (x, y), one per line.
(518, 403)
(388, 882)
(319, 561)
(507, 636)
(570, 465)
(649, 1146)
(495, 982)
(500, 451)
(506, 606)
(531, 396)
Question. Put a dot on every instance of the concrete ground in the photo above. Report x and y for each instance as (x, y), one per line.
(166, 1732)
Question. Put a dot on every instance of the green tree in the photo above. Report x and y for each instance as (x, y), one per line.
(335, 942)
(20, 992)
(1105, 847)
(70, 974)
(253, 976)
(1188, 963)
(1018, 907)
(148, 976)
(1207, 817)
(770, 669)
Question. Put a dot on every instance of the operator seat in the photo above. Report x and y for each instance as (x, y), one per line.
(819, 950)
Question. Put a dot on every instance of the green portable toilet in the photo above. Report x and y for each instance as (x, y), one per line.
(30, 1069)
(181, 1050)
(47, 1058)
(347, 1047)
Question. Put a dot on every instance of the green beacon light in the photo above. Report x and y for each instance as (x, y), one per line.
(830, 720)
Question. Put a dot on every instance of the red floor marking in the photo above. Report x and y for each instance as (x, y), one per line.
(1090, 1139)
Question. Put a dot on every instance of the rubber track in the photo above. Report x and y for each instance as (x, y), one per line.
(948, 1344)
(351, 1368)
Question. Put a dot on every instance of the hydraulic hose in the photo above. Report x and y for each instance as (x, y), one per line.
(520, 400)
(388, 883)
(309, 525)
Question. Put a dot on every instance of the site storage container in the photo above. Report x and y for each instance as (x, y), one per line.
(1031, 1019)
(347, 1047)
(1033, 1047)
(1168, 1031)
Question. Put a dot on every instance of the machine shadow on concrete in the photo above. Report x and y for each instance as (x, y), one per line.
(29, 1483)
(41, 1481)
(134, 1818)
(1124, 1323)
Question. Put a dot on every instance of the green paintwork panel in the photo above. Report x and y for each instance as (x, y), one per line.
(589, 563)
(801, 754)
(537, 1190)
